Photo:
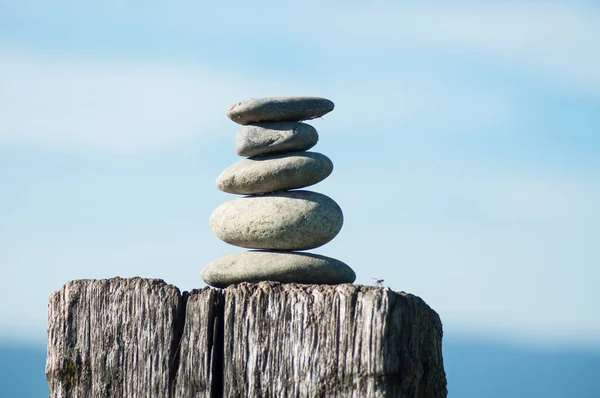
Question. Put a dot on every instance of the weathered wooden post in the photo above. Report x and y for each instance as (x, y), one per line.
(113, 338)
(143, 338)
(286, 323)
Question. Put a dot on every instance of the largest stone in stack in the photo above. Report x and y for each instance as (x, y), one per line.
(275, 218)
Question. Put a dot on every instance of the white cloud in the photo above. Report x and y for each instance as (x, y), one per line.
(125, 105)
(115, 105)
(556, 41)
(431, 105)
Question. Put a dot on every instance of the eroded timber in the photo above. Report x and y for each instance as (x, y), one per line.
(144, 338)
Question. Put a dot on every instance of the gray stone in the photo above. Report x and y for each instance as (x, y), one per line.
(277, 266)
(264, 174)
(292, 220)
(279, 109)
(275, 137)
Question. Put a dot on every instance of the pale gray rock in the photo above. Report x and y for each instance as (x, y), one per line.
(275, 137)
(264, 174)
(292, 220)
(279, 109)
(277, 266)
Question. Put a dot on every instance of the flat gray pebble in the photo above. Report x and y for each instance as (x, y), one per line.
(275, 137)
(292, 220)
(279, 109)
(286, 267)
(264, 174)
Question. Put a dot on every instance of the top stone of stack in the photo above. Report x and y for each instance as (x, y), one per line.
(279, 109)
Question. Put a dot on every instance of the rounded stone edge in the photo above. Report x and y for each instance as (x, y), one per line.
(225, 182)
(338, 271)
(297, 194)
(309, 137)
(278, 109)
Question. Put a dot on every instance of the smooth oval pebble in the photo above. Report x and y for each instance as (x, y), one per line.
(286, 267)
(275, 137)
(264, 174)
(279, 109)
(292, 220)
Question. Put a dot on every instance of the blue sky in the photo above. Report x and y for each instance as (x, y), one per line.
(465, 144)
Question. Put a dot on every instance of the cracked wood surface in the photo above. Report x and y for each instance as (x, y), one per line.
(143, 338)
(112, 338)
(335, 341)
(201, 346)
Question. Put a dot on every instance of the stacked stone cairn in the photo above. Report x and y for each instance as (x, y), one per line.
(276, 219)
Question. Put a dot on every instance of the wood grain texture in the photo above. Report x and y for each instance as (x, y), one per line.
(330, 341)
(112, 338)
(201, 347)
(143, 338)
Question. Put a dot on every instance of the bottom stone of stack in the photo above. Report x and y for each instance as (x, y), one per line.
(276, 266)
